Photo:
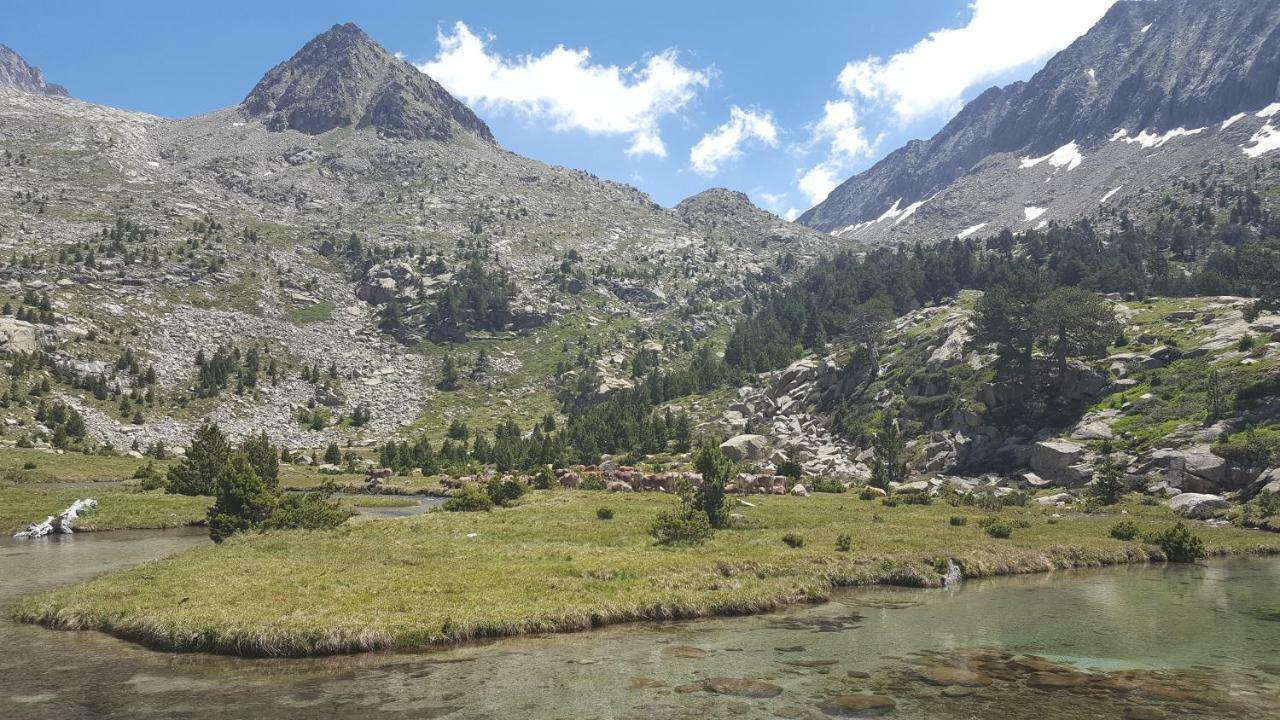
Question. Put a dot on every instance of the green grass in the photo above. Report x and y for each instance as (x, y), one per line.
(318, 312)
(118, 508)
(65, 467)
(549, 565)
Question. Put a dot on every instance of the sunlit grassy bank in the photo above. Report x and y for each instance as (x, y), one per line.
(550, 564)
(118, 508)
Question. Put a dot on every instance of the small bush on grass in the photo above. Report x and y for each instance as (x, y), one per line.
(591, 482)
(469, 499)
(305, 512)
(843, 542)
(890, 501)
(544, 478)
(959, 521)
(869, 494)
(151, 478)
(604, 513)
(793, 540)
(920, 498)
(681, 527)
(29, 465)
(828, 485)
(1179, 544)
(685, 525)
(504, 492)
(997, 528)
(1125, 530)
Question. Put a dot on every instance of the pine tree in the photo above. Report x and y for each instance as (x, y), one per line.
(242, 499)
(1108, 479)
(887, 465)
(262, 456)
(716, 470)
(449, 374)
(198, 472)
(332, 455)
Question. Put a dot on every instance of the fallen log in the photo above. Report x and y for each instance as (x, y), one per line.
(60, 523)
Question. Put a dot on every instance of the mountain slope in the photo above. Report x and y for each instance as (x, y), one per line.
(1147, 68)
(326, 232)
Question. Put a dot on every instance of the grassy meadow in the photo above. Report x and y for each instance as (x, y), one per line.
(549, 564)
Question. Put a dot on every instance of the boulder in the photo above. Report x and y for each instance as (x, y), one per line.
(1094, 430)
(1197, 506)
(745, 447)
(1058, 498)
(19, 336)
(799, 490)
(1051, 459)
(1194, 469)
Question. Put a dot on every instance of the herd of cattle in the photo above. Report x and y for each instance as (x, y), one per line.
(615, 478)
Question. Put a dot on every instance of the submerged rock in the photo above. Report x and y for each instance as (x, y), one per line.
(857, 705)
(742, 687)
(942, 675)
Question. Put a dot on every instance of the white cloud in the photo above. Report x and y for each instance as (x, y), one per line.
(819, 181)
(790, 214)
(1001, 35)
(932, 76)
(725, 142)
(563, 85)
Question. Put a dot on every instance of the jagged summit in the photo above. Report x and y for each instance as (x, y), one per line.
(16, 74)
(343, 78)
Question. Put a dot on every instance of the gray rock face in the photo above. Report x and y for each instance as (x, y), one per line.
(342, 78)
(1197, 506)
(745, 447)
(16, 74)
(1145, 65)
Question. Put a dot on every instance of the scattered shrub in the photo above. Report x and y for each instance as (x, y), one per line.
(997, 528)
(29, 465)
(469, 499)
(1246, 343)
(890, 501)
(1125, 530)
(681, 527)
(843, 542)
(868, 494)
(959, 521)
(311, 511)
(1179, 544)
(828, 485)
(916, 499)
(504, 491)
(604, 513)
(544, 478)
(793, 540)
(591, 482)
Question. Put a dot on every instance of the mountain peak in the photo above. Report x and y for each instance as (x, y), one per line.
(16, 74)
(343, 78)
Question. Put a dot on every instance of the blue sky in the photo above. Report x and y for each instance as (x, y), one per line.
(779, 99)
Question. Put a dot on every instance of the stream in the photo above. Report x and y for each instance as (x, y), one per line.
(1198, 641)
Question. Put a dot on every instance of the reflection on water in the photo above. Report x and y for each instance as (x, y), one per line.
(1132, 643)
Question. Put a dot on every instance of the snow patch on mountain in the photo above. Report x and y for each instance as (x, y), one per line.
(1269, 110)
(1264, 141)
(1150, 140)
(970, 230)
(1110, 192)
(1031, 212)
(1068, 155)
(1231, 120)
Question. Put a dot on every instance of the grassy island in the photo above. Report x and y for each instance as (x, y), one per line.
(552, 563)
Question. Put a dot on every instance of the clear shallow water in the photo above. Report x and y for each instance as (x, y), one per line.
(1196, 642)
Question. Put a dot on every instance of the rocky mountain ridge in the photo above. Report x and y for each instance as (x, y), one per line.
(1154, 91)
(16, 74)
